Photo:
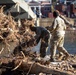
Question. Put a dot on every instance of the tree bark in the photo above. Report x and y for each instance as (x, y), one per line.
(36, 68)
(30, 67)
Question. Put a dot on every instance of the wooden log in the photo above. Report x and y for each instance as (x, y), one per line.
(30, 67)
(36, 68)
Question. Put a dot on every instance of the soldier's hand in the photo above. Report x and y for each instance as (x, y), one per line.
(73, 26)
(47, 27)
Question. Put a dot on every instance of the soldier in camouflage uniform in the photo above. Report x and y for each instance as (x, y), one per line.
(58, 32)
(43, 35)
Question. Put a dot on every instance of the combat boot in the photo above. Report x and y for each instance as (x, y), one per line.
(53, 60)
(67, 55)
(60, 57)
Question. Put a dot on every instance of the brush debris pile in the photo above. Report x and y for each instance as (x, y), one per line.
(24, 38)
(7, 28)
(28, 35)
(11, 33)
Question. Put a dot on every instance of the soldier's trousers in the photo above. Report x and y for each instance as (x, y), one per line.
(57, 44)
(45, 41)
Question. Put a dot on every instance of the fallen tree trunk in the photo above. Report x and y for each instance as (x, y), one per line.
(38, 68)
(30, 67)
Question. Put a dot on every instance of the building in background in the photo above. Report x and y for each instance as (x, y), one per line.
(41, 8)
(68, 9)
(45, 8)
(36, 7)
(73, 9)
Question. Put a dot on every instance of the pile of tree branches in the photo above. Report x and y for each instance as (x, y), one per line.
(22, 61)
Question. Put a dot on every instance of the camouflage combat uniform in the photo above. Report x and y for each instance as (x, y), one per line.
(44, 35)
(58, 31)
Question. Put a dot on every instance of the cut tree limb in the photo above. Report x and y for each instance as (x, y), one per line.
(30, 67)
(38, 68)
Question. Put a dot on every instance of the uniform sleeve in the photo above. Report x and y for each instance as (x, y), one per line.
(38, 33)
(63, 24)
(66, 21)
(53, 26)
